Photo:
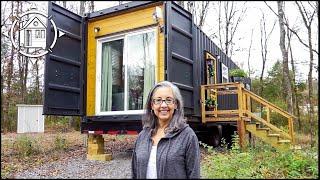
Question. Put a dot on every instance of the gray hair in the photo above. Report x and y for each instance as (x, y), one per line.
(150, 120)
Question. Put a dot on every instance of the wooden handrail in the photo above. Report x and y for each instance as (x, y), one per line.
(266, 103)
(244, 108)
(271, 126)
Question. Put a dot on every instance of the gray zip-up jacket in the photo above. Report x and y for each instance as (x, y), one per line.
(178, 155)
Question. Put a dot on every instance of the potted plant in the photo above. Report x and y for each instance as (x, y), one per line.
(211, 103)
(237, 75)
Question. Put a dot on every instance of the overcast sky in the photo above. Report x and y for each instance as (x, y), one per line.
(243, 35)
(252, 21)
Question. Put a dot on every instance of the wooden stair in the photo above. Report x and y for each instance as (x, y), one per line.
(247, 121)
(267, 136)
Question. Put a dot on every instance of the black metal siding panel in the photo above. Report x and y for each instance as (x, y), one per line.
(204, 43)
(180, 65)
(63, 93)
(179, 39)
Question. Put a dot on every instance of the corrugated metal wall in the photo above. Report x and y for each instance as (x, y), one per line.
(185, 59)
(180, 66)
(203, 43)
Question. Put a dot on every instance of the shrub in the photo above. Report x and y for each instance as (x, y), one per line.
(26, 146)
(237, 73)
(263, 161)
(60, 143)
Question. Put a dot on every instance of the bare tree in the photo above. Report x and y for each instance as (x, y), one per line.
(198, 9)
(249, 54)
(64, 4)
(307, 20)
(295, 31)
(82, 8)
(284, 52)
(4, 18)
(227, 28)
(294, 87)
(91, 6)
(8, 79)
(181, 3)
(264, 37)
(204, 6)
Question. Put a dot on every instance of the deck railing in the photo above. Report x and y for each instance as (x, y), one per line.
(244, 112)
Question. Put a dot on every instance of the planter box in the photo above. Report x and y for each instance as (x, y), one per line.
(238, 79)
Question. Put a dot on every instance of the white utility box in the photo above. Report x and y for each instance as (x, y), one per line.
(30, 118)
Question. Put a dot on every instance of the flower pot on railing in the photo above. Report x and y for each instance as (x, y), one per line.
(211, 104)
(237, 75)
(237, 79)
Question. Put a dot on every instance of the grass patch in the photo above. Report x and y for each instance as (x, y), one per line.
(23, 151)
(263, 161)
(26, 145)
(60, 143)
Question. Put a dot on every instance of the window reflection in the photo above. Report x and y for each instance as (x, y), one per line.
(141, 77)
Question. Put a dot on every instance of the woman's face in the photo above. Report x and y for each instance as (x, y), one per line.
(163, 104)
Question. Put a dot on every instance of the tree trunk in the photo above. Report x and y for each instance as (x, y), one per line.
(286, 75)
(9, 72)
(310, 86)
(294, 87)
(91, 7)
(37, 88)
(82, 8)
(249, 54)
(181, 3)
(307, 19)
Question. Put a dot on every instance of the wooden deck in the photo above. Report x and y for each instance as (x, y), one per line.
(265, 130)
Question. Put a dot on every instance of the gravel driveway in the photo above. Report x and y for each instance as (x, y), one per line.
(81, 168)
(74, 164)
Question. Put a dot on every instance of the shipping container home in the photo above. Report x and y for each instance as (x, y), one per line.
(105, 63)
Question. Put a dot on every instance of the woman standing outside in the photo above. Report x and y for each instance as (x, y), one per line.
(166, 147)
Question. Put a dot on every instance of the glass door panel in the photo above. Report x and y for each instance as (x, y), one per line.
(112, 76)
(141, 68)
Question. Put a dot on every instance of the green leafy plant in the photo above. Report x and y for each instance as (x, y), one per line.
(26, 146)
(211, 70)
(210, 102)
(238, 73)
(60, 143)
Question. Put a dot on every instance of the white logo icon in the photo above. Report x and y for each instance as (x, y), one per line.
(32, 33)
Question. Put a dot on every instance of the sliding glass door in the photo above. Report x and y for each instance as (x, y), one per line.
(125, 72)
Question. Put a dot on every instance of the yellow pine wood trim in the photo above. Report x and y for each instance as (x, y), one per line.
(268, 114)
(119, 23)
(216, 119)
(220, 112)
(291, 130)
(240, 104)
(202, 105)
(225, 92)
(274, 128)
(221, 85)
(266, 103)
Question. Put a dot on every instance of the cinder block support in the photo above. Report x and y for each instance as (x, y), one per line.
(95, 149)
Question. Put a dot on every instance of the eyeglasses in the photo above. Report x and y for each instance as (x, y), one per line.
(169, 101)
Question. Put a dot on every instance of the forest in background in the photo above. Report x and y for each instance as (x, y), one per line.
(22, 77)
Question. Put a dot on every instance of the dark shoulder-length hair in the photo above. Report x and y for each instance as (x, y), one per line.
(150, 120)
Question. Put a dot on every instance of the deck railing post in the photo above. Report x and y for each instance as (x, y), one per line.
(268, 114)
(240, 122)
(203, 108)
(290, 123)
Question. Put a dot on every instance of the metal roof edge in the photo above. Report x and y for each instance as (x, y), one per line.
(122, 7)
